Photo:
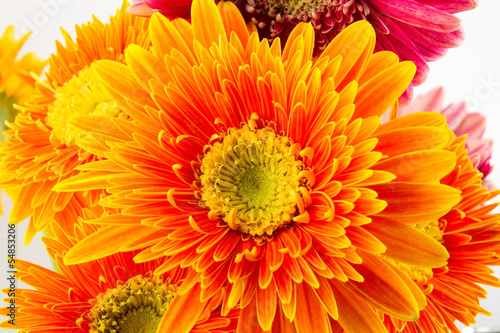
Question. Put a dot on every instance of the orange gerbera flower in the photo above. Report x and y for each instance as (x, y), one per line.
(41, 149)
(112, 294)
(16, 84)
(470, 234)
(260, 170)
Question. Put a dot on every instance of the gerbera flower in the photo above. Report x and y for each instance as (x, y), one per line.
(462, 122)
(16, 83)
(42, 147)
(112, 294)
(260, 169)
(470, 234)
(416, 30)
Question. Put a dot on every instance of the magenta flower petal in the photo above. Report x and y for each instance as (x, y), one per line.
(417, 14)
(452, 7)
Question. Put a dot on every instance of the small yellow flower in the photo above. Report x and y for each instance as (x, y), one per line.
(16, 83)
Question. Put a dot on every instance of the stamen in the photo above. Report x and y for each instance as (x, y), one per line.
(136, 306)
(252, 179)
(84, 94)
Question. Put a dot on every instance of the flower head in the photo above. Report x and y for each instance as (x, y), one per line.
(470, 234)
(16, 83)
(41, 148)
(112, 294)
(260, 168)
(472, 124)
(416, 30)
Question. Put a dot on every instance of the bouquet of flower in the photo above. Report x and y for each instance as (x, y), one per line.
(247, 166)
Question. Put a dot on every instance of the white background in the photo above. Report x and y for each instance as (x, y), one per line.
(470, 72)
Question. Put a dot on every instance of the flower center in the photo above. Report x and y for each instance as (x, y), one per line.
(84, 94)
(7, 112)
(251, 179)
(306, 10)
(136, 306)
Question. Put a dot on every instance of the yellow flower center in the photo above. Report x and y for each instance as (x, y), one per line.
(134, 307)
(7, 112)
(84, 94)
(251, 180)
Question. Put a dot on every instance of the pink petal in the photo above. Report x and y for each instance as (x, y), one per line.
(473, 124)
(418, 15)
(432, 101)
(451, 7)
(455, 113)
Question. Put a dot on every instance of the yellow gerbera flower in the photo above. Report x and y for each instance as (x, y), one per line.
(261, 168)
(16, 83)
(41, 149)
(112, 294)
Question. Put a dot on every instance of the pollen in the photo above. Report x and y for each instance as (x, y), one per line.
(136, 306)
(251, 179)
(84, 94)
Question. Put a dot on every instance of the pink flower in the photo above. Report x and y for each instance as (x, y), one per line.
(416, 30)
(461, 122)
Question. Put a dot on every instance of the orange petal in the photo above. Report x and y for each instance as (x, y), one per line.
(207, 23)
(419, 166)
(354, 41)
(326, 296)
(405, 140)
(379, 62)
(233, 21)
(354, 314)
(301, 39)
(248, 322)
(414, 203)
(144, 66)
(408, 245)
(433, 119)
(310, 316)
(166, 35)
(379, 93)
(119, 79)
(384, 289)
(183, 313)
(266, 306)
(100, 244)
(91, 180)
(364, 240)
(22, 206)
